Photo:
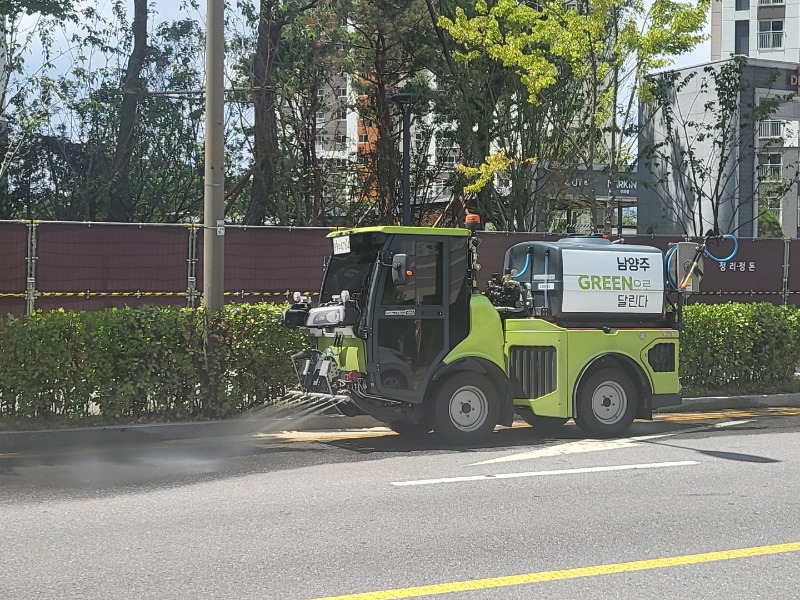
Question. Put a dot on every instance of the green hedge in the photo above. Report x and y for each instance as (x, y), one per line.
(144, 363)
(168, 363)
(725, 345)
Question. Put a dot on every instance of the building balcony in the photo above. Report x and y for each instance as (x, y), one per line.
(770, 130)
(771, 40)
(769, 172)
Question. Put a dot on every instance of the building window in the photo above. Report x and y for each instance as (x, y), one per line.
(340, 115)
(770, 130)
(321, 139)
(341, 93)
(770, 166)
(741, 38)
(363, 138)
(449, 161)
(743, 4)
(770, 34)
(321, 116)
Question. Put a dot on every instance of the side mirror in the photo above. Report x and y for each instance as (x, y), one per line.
(399, 267)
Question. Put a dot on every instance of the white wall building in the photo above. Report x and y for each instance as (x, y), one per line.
(764, 29)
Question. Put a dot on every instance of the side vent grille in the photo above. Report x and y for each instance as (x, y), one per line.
(662, 358)
(533, 370)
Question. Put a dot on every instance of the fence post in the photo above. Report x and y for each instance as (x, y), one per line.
(191, 288)
(30, 288)
(786, 271)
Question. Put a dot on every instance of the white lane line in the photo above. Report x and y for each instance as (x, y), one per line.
(581, 446)
(682, 463)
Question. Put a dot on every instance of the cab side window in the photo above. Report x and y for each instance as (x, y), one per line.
(424, 286)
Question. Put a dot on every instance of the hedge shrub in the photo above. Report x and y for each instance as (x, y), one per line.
(168, 363)
(144, 363)
(725, 345)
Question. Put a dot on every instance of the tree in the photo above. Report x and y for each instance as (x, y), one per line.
(120, 202)
(75, 131)
(702, 161)
(267, 192)
(54, 8)
(605, 46)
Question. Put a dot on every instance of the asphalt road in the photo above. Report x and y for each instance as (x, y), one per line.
(691, 506)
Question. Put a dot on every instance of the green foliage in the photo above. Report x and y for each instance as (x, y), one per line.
(56, 8)
(170, 363)
(600, 51)
(768, 225)
(739, 344)
(145, 363)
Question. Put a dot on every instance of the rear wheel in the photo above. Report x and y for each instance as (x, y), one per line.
(466, 408)
(543, 425)
(607, 403)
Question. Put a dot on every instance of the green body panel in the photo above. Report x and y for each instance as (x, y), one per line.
(578, 348)
(350, 356)
(397, 230)
(485, 337)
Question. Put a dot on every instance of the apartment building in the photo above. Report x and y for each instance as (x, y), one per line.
(344, 144)
(761, 29)
(766, 156)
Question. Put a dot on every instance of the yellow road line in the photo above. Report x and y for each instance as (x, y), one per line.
(729, 414)
(545, 576)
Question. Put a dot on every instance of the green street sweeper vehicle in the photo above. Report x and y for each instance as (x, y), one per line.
(580, 328)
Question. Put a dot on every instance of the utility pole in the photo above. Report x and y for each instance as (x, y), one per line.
(214, 198)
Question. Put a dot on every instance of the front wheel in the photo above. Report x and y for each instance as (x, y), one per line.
(607, 403)
(466, 408)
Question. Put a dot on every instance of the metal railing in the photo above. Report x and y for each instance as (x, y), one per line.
(771, 40)
(769, 171)
(771, 2)
(770, 129)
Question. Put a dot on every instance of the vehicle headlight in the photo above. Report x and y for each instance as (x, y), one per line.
(325, 316)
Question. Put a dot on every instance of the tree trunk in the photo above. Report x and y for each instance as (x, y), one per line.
(265, 149)
(387, 161)
(121, 206)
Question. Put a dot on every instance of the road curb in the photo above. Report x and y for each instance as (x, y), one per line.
(735, 402)
(25, 441)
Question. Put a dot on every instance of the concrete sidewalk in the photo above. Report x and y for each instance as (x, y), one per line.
(25, 441)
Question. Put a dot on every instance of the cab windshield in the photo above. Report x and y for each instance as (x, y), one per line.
(351, 271)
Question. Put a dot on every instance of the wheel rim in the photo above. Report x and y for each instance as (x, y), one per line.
(609, 402)
(469, 408)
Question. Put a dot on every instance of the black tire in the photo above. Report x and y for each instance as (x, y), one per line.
(466, 408)
(543, 425)
(607, 403)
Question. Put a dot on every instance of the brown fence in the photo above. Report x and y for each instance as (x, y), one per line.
(83, 266)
